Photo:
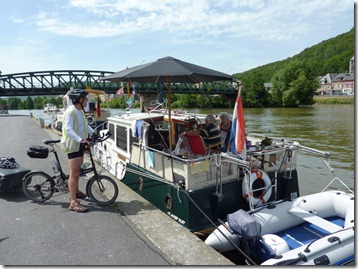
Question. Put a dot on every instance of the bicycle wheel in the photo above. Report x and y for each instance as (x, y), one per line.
(103, 189)
(38, 186)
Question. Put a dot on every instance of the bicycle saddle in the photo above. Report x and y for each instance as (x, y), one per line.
(49, 141)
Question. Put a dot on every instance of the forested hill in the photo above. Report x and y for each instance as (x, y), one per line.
(329, 56)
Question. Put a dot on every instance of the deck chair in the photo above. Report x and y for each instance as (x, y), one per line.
(196, 144)
(160, 101)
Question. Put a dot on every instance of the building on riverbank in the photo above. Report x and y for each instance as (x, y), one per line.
(338, 84)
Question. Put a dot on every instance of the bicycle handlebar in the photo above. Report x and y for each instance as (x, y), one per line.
(104, 137)
(95, 138)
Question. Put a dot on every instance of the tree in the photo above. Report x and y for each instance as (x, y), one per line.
(119, 102)
(28, 103)
(13, 103)
(294, 85)
(38, 102)
(254, 93)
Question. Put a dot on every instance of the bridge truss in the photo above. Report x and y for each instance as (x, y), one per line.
(50, 82)
(59, 82)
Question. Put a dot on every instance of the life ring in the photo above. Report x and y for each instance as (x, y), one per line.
(90, 120)
(264, 182)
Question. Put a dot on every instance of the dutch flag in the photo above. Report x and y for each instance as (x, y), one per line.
(237, 134)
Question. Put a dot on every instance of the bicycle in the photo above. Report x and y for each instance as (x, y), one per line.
(40, 186)
(102, 156)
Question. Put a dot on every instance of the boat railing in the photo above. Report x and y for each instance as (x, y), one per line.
(297, 145)
(196, 171)
(335, 178)
(198, 158)
(294, 145)
(325, 158)
(234, 159)
(288, 143)
(101, 127)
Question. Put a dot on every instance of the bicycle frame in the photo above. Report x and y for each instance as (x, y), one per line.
(62, 174)
(93, 166)
(84, 171)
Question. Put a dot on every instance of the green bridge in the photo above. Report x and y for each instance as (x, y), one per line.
(58, 82)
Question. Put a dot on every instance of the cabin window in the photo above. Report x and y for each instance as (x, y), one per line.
(121, 137)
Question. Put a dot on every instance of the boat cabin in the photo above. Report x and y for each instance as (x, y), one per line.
(143, 139)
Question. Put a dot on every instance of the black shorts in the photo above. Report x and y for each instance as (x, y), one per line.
(76, 154)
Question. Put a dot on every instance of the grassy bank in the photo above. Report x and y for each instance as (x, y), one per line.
(331, 100)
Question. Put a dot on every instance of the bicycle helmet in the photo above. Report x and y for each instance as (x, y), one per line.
(76, 94)
(8, 163)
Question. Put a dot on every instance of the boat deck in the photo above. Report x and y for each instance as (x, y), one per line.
(306, 232)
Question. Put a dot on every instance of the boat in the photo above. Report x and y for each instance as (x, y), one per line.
(196, 186)
(95, 114)
(50, 108)
(315, 229)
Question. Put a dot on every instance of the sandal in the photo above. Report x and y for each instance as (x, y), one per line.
(77, 207)
(81, 195)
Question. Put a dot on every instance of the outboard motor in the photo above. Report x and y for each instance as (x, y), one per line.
(246, 227)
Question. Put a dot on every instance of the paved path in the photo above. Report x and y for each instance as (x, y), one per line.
(132, 232)
(50, 234)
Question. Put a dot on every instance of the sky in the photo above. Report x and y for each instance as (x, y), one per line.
(230, 36)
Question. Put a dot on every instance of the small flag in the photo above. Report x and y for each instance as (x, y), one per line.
(120, 90)
(129, 102)
(237, 134)
(133, 92)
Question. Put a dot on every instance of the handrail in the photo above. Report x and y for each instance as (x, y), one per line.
(311, 150)
(236, 159)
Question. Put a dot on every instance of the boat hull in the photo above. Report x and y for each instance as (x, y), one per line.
(196, 209)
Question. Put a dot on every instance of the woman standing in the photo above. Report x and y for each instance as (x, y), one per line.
(75, 131)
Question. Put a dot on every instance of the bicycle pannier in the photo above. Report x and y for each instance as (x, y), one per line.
(39, 152)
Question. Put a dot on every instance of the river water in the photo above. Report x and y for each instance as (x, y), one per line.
(324, 127)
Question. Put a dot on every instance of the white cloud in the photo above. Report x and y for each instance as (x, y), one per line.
(236, 32)
(270, 20)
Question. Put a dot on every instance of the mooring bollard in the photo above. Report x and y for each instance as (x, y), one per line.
(42, 123)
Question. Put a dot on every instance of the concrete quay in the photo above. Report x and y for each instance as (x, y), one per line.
(130, 232)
